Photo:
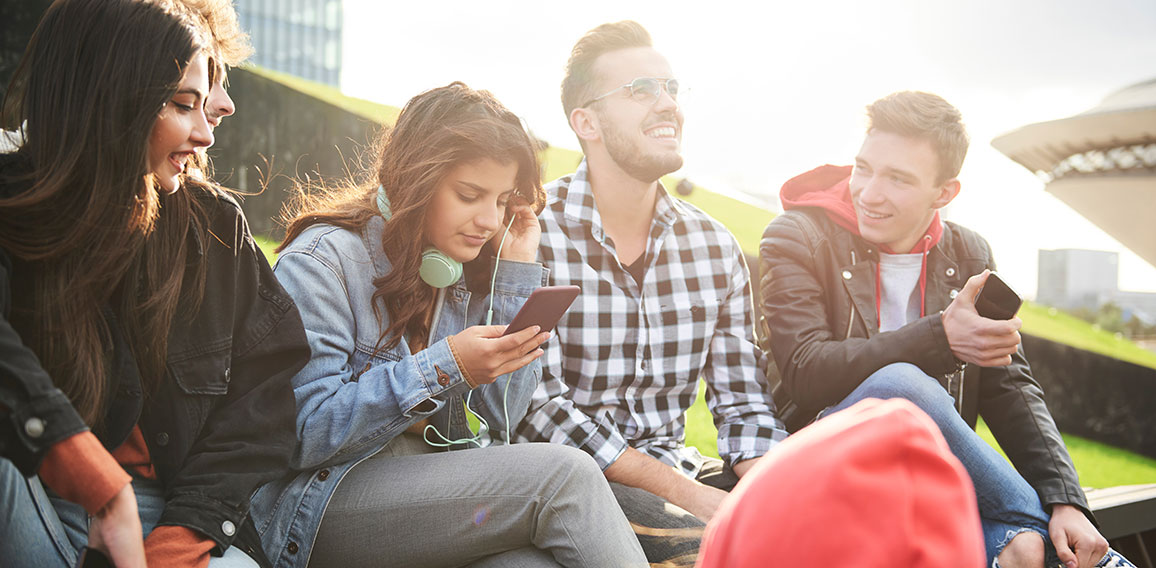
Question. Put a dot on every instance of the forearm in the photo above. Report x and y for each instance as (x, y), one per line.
(820, 371)
(636, 469)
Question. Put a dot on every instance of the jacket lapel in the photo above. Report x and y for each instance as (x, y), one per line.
(859, 283)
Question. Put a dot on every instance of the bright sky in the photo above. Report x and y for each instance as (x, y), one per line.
(779, 87)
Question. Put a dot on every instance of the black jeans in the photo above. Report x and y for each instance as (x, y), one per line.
(669, 535)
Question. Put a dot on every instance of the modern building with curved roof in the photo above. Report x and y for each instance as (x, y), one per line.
(1101, 162)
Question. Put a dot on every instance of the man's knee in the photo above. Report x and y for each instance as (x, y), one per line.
(1025, 549)
(907, 381)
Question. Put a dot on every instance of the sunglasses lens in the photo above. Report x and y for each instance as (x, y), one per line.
(644, 87)
(672, 87)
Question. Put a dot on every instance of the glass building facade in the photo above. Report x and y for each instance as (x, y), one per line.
(298, 37)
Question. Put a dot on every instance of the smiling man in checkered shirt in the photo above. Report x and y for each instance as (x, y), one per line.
(665, 301)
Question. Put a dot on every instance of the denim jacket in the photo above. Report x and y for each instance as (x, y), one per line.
(351, 403)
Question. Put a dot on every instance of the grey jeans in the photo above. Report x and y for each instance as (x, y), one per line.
(519, 505)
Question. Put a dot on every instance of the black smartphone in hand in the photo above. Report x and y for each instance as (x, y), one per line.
(93, 558)
(544, 308)
(997, 300)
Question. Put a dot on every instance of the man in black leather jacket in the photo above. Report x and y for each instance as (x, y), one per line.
(866, 293)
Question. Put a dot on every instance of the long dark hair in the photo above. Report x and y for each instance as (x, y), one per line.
(89, 230)
(436, 131)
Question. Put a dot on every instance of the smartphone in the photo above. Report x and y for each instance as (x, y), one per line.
(93, 558)
(544, 308)
(997, 300)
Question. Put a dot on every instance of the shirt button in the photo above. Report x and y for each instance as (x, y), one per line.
(228, 374)
(443, 378)
(163, 439)
(292, 548)
(228, 528)
(34, 427)
(950, 271)
(323, 474)
(846, 275)
(953, 294)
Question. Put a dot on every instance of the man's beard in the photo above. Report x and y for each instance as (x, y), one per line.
(642, 167)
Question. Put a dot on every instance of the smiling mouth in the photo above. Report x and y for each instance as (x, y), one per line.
(179, 159)
(661, 132)
(873, 215)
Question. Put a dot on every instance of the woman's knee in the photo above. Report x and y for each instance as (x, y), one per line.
(557, 464)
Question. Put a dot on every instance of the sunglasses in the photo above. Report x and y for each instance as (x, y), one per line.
(643, 89)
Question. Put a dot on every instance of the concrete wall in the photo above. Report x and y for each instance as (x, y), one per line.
(278, 135)
(1096, 397)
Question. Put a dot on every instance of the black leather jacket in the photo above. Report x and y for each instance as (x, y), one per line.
(223, 420)
(818, 306)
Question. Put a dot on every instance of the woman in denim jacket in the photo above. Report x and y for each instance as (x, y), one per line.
(394, 357)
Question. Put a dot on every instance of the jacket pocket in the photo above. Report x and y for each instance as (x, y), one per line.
(203, 373)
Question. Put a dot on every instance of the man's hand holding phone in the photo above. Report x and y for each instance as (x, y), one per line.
(977, 339)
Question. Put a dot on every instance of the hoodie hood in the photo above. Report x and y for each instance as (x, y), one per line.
(829, 188)
(826, 187)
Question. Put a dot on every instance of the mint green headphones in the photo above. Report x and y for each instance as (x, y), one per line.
(438, 269)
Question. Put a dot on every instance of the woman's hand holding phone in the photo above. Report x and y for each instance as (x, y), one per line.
(486, 354)
(522, 242)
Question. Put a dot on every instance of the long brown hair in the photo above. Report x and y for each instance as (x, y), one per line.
(436, 131)
(89, 231)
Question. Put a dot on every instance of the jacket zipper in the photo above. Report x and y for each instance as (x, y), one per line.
(851, 320)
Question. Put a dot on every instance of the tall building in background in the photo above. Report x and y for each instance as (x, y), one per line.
(1078, 278)
(298, 37)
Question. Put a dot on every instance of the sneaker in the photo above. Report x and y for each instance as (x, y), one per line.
(1114, 559)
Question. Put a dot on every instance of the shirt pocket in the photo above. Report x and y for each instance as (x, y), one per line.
(687, 329)
(203, 373)
(203, 378)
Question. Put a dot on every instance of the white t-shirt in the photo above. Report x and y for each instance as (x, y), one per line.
(899, 280)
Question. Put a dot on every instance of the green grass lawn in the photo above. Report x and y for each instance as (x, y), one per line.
(267, 245)
(1098, 465)
(1055, 325)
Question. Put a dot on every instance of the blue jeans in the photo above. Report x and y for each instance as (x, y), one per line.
(1007, 504)
(42, 529)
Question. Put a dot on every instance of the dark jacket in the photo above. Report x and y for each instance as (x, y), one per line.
(818, 304)
(221, 423)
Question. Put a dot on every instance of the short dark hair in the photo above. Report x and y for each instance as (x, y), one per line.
(578, 82)
(928, 117)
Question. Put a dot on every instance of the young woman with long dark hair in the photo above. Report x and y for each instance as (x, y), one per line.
(395, 352)
(145, 345)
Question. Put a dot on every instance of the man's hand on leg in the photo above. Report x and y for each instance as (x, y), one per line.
(1078, 543)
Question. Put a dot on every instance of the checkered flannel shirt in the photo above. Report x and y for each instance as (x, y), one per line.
(623, 365)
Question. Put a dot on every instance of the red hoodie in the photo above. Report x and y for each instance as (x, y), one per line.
(873, 485)
(829, 188)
